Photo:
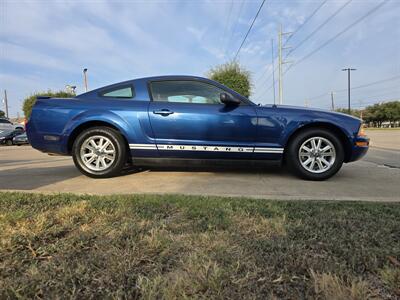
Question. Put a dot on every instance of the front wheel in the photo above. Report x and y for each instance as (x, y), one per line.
(99, 152)
(315, 154)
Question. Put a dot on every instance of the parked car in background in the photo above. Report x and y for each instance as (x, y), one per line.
(170, 118)
(7, 124)
(21, 139)
(7, 136)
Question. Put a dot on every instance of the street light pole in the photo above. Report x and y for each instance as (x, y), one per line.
(348, 86)
(85, 79)
(6, 102)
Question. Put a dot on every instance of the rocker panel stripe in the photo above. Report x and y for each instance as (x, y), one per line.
(207, 148)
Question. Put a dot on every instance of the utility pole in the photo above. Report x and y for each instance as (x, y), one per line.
(306, 103)
(281, 62)
(273, 68)
(333, 101)
(6, 102)
(348, 87)
(85, 79)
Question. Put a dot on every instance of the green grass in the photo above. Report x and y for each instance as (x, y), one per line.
(172, 247)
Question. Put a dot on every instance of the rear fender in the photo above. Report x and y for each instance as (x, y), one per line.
(103, 116)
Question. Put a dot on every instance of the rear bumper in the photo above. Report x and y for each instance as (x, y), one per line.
(45, 142)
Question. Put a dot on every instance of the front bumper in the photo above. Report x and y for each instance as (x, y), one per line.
(360, 148)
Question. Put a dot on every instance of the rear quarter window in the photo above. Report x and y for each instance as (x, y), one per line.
(122, 92)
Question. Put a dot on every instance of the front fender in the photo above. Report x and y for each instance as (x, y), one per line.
(348, 127)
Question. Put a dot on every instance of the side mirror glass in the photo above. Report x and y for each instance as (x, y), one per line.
(227, 99)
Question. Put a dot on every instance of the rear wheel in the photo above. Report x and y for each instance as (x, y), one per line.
(315, 154)
(99, 152)
(9, 143)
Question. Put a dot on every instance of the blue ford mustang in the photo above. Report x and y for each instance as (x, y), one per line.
(183, 117)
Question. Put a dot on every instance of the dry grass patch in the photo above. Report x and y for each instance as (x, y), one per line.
(332, 287)
(176, 247)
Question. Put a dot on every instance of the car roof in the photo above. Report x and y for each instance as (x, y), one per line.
(157, 78)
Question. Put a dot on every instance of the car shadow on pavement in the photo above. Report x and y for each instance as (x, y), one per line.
(33, 178)
(265, 169)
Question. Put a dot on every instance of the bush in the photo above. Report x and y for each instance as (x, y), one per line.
(30, 101)
(233, 76)
(2, 114)
(377, 113)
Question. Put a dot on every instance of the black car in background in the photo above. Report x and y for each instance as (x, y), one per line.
(7, 136)
(21, 139)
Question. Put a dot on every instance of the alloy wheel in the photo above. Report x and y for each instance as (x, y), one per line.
(317, 154)
(98, 153)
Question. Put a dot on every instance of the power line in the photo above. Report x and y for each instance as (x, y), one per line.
(228, 19)
(248, 31)
(233, 32)
(320, 26)
(371, 11)
(372, 83)
(306, 21)
(359, 86)
(290, 36)
(372, 96)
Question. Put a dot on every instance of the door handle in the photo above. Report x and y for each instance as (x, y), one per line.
(164, 112)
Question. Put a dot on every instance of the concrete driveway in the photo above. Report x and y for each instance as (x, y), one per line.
(376, 178)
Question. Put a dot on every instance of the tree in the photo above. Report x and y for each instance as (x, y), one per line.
(233, 76)
(2, 114)
(30, 101)
(353, 112)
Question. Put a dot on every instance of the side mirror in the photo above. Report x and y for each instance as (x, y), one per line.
(227, 99)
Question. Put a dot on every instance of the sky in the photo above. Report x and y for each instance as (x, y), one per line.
(46, 44)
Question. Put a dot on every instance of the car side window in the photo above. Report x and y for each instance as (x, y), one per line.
(119, 92)
(185, 91)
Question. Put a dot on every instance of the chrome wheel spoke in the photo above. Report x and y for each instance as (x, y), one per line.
(89, 161)
(327, 154)
(326, 148)
(319, 144)
(320, 166)
(323, 160)
(313, 144)
(93, 144)
(106, 144)
(109, 157)
(109, 151)
(308, 150)
(308, 161)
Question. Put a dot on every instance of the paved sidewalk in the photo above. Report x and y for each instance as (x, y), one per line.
(23, 168)
(384, 138)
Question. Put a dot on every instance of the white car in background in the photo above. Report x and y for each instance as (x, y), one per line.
(6, 124)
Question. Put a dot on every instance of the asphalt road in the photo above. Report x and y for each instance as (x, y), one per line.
(375, 178)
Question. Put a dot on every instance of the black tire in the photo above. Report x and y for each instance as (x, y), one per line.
(293, 160)
(118, 143)
(9, 143)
